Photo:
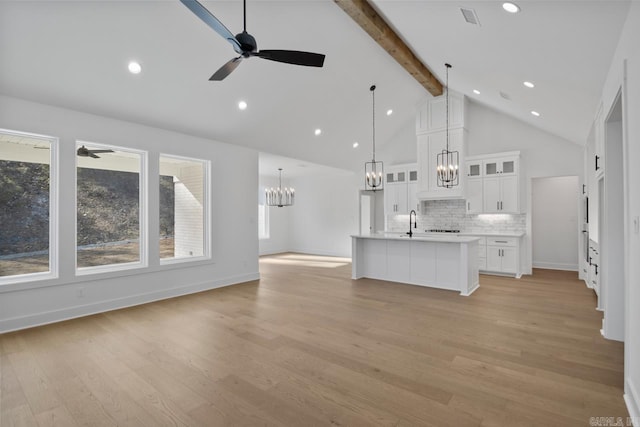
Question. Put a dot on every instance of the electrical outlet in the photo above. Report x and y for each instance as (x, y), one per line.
(80, 292)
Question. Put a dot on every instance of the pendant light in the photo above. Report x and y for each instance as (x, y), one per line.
(373, 170)
(448, 161)
(280, 196)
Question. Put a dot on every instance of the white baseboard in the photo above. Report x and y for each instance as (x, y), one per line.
(273, 252)
(32, 320)
(477, 285)
(555, 266)
(322, 253)
(632, 399)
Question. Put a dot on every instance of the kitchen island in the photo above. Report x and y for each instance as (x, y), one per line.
(445, 262)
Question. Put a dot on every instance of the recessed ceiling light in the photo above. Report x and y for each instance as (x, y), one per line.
(535, 113)
(242, 105)
(529, 84)
(389, 112)
(134, 67)
(476, 91)
(511, 7)
(355, 145)
(318, 132)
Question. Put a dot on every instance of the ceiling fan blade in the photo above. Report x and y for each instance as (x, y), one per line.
(207, 17)
(292, 57)
(101, 151)
(226, 69)
(94, 156)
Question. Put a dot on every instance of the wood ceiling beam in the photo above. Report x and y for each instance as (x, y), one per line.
(370, 21)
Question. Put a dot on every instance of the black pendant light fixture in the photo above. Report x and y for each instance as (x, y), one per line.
(280, 197)
(373, 170)
(448, 161)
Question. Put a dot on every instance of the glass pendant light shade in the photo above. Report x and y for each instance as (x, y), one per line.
(373, 170)
(448, 162)
(280, 197)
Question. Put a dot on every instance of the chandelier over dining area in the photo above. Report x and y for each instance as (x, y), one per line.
(280, 197)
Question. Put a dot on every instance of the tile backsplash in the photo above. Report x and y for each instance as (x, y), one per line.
(452, 214)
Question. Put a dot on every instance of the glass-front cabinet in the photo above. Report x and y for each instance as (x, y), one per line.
(502, 166)
(474, 168)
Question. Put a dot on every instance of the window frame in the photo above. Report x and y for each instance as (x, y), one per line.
(54, 223)
(143, 195)
(206, 215)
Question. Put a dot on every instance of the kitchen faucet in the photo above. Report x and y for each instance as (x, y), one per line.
(415, 222)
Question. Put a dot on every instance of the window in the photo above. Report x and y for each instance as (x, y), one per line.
(183, 208)
(109, 188)
(28, 214)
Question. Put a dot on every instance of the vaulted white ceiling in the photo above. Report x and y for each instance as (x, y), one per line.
(74, 54)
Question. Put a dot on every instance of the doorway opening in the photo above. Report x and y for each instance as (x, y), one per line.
(612, 226)
(554, 224)
(371, 212)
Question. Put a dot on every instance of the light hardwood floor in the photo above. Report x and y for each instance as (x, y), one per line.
(308, 346)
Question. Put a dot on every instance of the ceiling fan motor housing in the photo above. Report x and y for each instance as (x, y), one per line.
(247, 42)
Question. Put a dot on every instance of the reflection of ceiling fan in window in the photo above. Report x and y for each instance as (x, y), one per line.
(85, 152)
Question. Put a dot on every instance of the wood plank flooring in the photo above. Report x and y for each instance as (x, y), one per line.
(308, 346)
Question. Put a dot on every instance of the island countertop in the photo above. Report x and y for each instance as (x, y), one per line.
(444, 237)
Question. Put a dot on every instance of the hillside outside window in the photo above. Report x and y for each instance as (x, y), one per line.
(110, 214)
(28, 239)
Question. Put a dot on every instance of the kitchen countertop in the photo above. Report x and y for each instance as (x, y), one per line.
(424, 237)
(462, 233)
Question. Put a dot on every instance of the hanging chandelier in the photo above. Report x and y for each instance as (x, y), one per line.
(373, 170)
(448, 161)
(280, 196)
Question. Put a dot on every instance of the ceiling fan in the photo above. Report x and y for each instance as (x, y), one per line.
(245, 45)
(85, 152)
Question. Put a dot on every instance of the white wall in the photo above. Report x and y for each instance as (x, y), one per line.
(326, 213)
(554, 219)
(279, 228)
(233, 229)
(628, 51)
(542, 155)
(400, 149)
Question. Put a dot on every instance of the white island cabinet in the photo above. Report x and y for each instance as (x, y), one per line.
(439, 262)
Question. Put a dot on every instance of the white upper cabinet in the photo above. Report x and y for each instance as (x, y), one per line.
(429, 146)
(395, 177)
(432, 116)
(474, 196)
(501, 194)
(501, 166)
(400, 187)
(497, 187)
(474, 168)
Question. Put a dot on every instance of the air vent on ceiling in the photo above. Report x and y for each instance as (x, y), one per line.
(505, 96)
(470, 16)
